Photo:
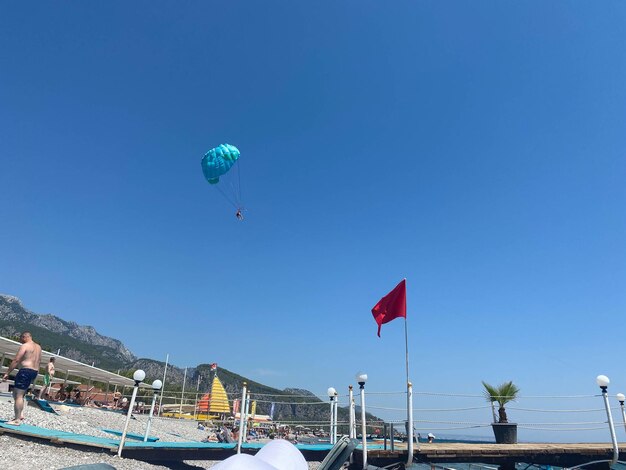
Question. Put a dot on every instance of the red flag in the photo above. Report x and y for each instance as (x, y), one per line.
(391, 306)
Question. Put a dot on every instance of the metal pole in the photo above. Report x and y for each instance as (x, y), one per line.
(385, 436)
(363, 425)
(409, 393)
(409, 404)
(130, 411)
(605, 396)
(196, 410)
(243, 401)
(406, 347)
(167, 358)
(115, 389)
(182, 395)
(352, 424)
(245, 423)
(621, 404)
(493, 412)
(391, 431)
(145, 438)
(332, 417)
(335, 419)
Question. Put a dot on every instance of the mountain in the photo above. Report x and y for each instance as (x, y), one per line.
(83, 343)
(290, 404)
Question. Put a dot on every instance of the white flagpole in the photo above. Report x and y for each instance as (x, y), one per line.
(409, 393)
(167, 358)
(182, 395)
(241, 418)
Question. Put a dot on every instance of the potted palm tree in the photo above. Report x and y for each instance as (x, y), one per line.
(504, 432)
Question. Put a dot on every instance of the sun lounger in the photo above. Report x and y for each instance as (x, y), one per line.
(43, 405)
(339, 454)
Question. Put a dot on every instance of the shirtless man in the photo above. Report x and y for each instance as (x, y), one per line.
(28, 357)
(47, 379)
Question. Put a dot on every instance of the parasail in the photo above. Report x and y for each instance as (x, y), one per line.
(217, 161)
(220, 167)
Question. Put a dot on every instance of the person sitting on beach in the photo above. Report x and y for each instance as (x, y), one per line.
(431, 437)
(28, 358)
(63, 396)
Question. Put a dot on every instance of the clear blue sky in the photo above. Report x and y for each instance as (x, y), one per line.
(475, 148)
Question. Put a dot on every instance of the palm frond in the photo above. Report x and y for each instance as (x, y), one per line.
(503, 393)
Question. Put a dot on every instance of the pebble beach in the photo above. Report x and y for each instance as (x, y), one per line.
(19, 453)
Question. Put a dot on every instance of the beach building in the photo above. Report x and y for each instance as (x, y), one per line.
(65, 368)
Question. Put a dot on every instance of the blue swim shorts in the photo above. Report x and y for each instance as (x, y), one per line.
(24, 378)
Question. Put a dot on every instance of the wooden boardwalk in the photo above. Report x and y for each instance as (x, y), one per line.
(502, 455)
(506, 455)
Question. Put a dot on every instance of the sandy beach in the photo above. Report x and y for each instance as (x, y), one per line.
(25, 454)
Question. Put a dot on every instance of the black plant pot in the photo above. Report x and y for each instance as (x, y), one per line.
(505, 433)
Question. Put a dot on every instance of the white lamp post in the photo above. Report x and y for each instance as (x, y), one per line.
(603, 382)
(352, 430)
(242, 418)
(621, 398)
(156, 386)
(332, 393)
(138, 376)
(361, 378)
(244, 430)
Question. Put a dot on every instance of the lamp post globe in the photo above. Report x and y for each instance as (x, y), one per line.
(620, 397)
(602, 381)
(139, 375)
(331, 392)
(156, 385)
(361, 378)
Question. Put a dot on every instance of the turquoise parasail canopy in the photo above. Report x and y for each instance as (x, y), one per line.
(217, 161)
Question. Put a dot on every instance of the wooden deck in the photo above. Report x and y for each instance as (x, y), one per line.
(502, 455)
(561, 455)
